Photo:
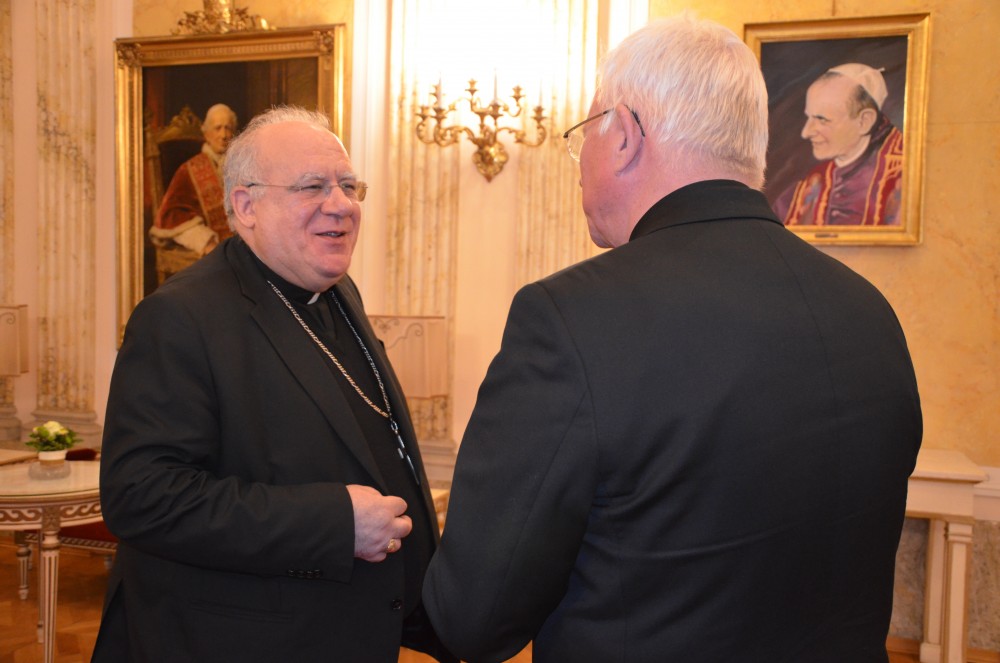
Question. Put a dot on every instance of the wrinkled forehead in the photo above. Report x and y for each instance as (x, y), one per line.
(293, 150)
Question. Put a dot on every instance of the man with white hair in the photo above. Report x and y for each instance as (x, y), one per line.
(858, 179)
(192, 214)
(694, 446)
(259, 464)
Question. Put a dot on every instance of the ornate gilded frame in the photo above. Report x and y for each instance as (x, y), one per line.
(177, 56)
(793, 54)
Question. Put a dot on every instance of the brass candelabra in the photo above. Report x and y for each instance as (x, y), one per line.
(490, 155)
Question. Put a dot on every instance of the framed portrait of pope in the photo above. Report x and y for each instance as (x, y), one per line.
(179, 101)
(846, 101)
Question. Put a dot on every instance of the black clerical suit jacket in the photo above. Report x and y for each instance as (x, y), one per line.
(693, 447)
(226, 452)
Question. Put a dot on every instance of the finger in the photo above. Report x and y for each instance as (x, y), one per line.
(404, 525)
(396, 504)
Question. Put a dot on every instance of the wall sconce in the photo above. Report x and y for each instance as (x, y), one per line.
(490, 155)
(13, 340)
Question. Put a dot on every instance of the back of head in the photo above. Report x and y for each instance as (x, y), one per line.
(695, 87)
(242, 158)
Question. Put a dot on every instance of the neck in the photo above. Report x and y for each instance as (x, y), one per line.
(854, 154)
(667, 175)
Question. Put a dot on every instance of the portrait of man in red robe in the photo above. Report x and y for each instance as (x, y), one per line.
(857, 180)
(192, 213)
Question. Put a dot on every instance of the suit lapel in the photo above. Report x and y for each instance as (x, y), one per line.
(295, 349)
(348, 295)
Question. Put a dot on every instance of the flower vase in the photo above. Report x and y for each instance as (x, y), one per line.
(50, 465)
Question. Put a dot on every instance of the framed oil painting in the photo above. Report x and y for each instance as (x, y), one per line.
(165, 88)
(847, 101)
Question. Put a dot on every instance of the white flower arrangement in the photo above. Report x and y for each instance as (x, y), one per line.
(51, 436)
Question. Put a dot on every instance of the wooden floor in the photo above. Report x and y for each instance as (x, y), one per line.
(82, 579)
(81, 591)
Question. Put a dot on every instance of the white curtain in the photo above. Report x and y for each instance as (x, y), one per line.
(552, 231)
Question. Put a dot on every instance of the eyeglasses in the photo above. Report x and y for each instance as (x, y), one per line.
(320, 190)
(574, 141)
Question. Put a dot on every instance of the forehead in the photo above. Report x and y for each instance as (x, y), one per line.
(830, 93)
(294, 149)
(219, 116)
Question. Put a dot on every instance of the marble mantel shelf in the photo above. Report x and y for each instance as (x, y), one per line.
(941, 490)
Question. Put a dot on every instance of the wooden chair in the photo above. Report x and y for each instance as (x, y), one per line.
(166, 149)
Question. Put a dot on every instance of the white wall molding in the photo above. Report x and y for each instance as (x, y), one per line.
(986, 496)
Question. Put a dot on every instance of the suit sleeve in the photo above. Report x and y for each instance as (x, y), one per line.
(524, 482)
(164, 433)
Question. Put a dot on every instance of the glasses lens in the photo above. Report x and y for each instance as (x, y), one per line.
(361, 191)
(574, 143)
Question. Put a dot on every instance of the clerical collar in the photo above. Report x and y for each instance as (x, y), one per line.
(294, 293)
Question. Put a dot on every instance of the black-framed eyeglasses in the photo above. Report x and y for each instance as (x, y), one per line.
(320, 190)
(574, 141)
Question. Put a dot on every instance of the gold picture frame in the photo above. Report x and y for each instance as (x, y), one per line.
(164, 85)
(792, 56)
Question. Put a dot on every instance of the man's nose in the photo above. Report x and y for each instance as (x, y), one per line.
(337, 202)
(808, 128)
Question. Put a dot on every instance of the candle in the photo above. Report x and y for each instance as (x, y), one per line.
(437, 91)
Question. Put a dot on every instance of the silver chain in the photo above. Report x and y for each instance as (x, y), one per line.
(386, 413)
(401, 449)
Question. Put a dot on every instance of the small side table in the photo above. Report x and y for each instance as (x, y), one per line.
(47, 505)
(941, 490)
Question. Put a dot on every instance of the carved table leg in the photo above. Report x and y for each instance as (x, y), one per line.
(49, 585)
(23, 555)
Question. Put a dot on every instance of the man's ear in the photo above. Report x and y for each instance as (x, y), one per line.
(630, 137)
(867, 119)
(243, 207)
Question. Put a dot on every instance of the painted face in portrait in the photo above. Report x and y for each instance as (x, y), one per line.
(830, 126)
(304, 223)
(219, 130)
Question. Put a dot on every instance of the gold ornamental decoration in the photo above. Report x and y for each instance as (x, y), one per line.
(220, 17)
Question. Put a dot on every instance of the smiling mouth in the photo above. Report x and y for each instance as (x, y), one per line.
(333, 233)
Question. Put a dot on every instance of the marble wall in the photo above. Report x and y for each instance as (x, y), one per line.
(984, 585)
(10, 425)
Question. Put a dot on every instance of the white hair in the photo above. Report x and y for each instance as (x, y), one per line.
(219, 108)
(241, 167)
(696, 87)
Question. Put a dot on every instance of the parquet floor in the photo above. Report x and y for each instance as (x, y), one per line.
(78, 610)
(81, 592)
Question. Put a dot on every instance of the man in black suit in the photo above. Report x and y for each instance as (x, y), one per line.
(695, 446)
(259, 464)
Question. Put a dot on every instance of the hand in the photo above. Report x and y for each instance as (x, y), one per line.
(377, 520)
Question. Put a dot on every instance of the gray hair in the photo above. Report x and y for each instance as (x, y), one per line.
(216, 109)
(695, 86)
(241, 165)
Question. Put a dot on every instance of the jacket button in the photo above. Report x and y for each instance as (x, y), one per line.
(397, 604)
(290, 573)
